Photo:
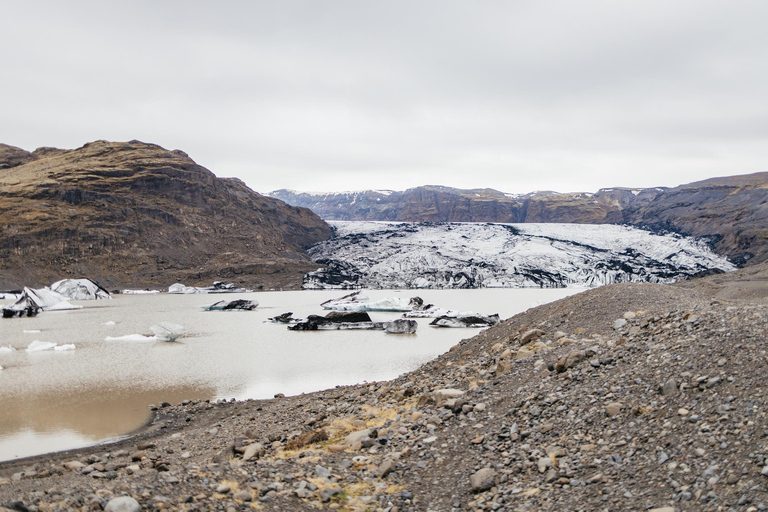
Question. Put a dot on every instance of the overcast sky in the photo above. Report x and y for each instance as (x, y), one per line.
(348, 95)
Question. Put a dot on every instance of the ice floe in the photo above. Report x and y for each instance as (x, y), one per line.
(7, 350)
(140, 292)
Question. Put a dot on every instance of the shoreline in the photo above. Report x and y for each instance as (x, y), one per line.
(407, 444)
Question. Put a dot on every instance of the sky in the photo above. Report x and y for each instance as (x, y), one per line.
(349, 95)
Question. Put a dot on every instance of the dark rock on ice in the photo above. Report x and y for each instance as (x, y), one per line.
(285, 318)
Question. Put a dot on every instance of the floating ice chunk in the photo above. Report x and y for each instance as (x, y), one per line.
(232, 305)
(139, 292)
(7, 350)
(131, 337)
(31, 331)
(80, 289)
(401, 326)
(167, 331)
(39, 346)
(111, 322)
(64, 348)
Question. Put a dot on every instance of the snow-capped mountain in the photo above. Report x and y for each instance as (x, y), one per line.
(471, 255)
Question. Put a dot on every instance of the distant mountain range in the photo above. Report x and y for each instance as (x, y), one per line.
(135, 215)
(731, 212)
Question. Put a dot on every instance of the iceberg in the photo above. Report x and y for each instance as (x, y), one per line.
(353, 321)
(217, 287)
(32, 301)
(7, 349)
(466, 321)
(80, 289)
(64, 348)
(357, 302)
(167, 331)
(401, 326)
(140, 292)
(232, 305)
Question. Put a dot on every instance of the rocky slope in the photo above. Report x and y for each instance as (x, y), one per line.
(732, 212)
(481, 255)
(136, 215)
(625, 397)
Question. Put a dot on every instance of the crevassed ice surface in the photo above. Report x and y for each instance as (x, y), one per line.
(445, 255)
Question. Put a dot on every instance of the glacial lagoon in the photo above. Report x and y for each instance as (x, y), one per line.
(56, 400)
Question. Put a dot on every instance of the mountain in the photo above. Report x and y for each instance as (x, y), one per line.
(474, 255)
(732, 212)
(137, 215)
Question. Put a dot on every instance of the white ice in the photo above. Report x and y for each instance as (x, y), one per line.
(64, 348)
(131, 337)
(7, 350)
(39, 346)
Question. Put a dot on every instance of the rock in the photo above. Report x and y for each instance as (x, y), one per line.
(357, 437)
(253, 450)
(223, 489)
(385, 468)
(573, 358)
(662, 509)
(613, 409)
(122, 504)
(74, 464)
(630, 315)
(669, 388)
(321, 472)
(523, 354)
(530, 335)
(619, 324)
(482, 480)
(329, 492)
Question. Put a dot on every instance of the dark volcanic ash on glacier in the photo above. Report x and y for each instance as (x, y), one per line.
(471, 255)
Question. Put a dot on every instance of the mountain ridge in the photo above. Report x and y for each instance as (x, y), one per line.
(731, 212)
(134, 214)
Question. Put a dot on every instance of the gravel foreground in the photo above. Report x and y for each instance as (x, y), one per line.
(626, 397)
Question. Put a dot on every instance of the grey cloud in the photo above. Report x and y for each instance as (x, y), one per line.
(513, 95)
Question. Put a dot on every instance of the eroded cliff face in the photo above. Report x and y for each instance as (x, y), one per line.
(732, 212)
(136, 215)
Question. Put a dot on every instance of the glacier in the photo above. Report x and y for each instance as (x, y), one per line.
(390, 255)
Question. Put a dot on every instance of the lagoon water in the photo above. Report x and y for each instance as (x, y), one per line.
(53, 400)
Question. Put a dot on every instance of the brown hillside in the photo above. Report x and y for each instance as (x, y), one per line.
(135, 215)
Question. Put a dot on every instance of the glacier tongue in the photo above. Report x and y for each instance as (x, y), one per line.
(472, 255)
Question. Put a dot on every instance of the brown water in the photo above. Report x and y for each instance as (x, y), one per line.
(59, 400)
